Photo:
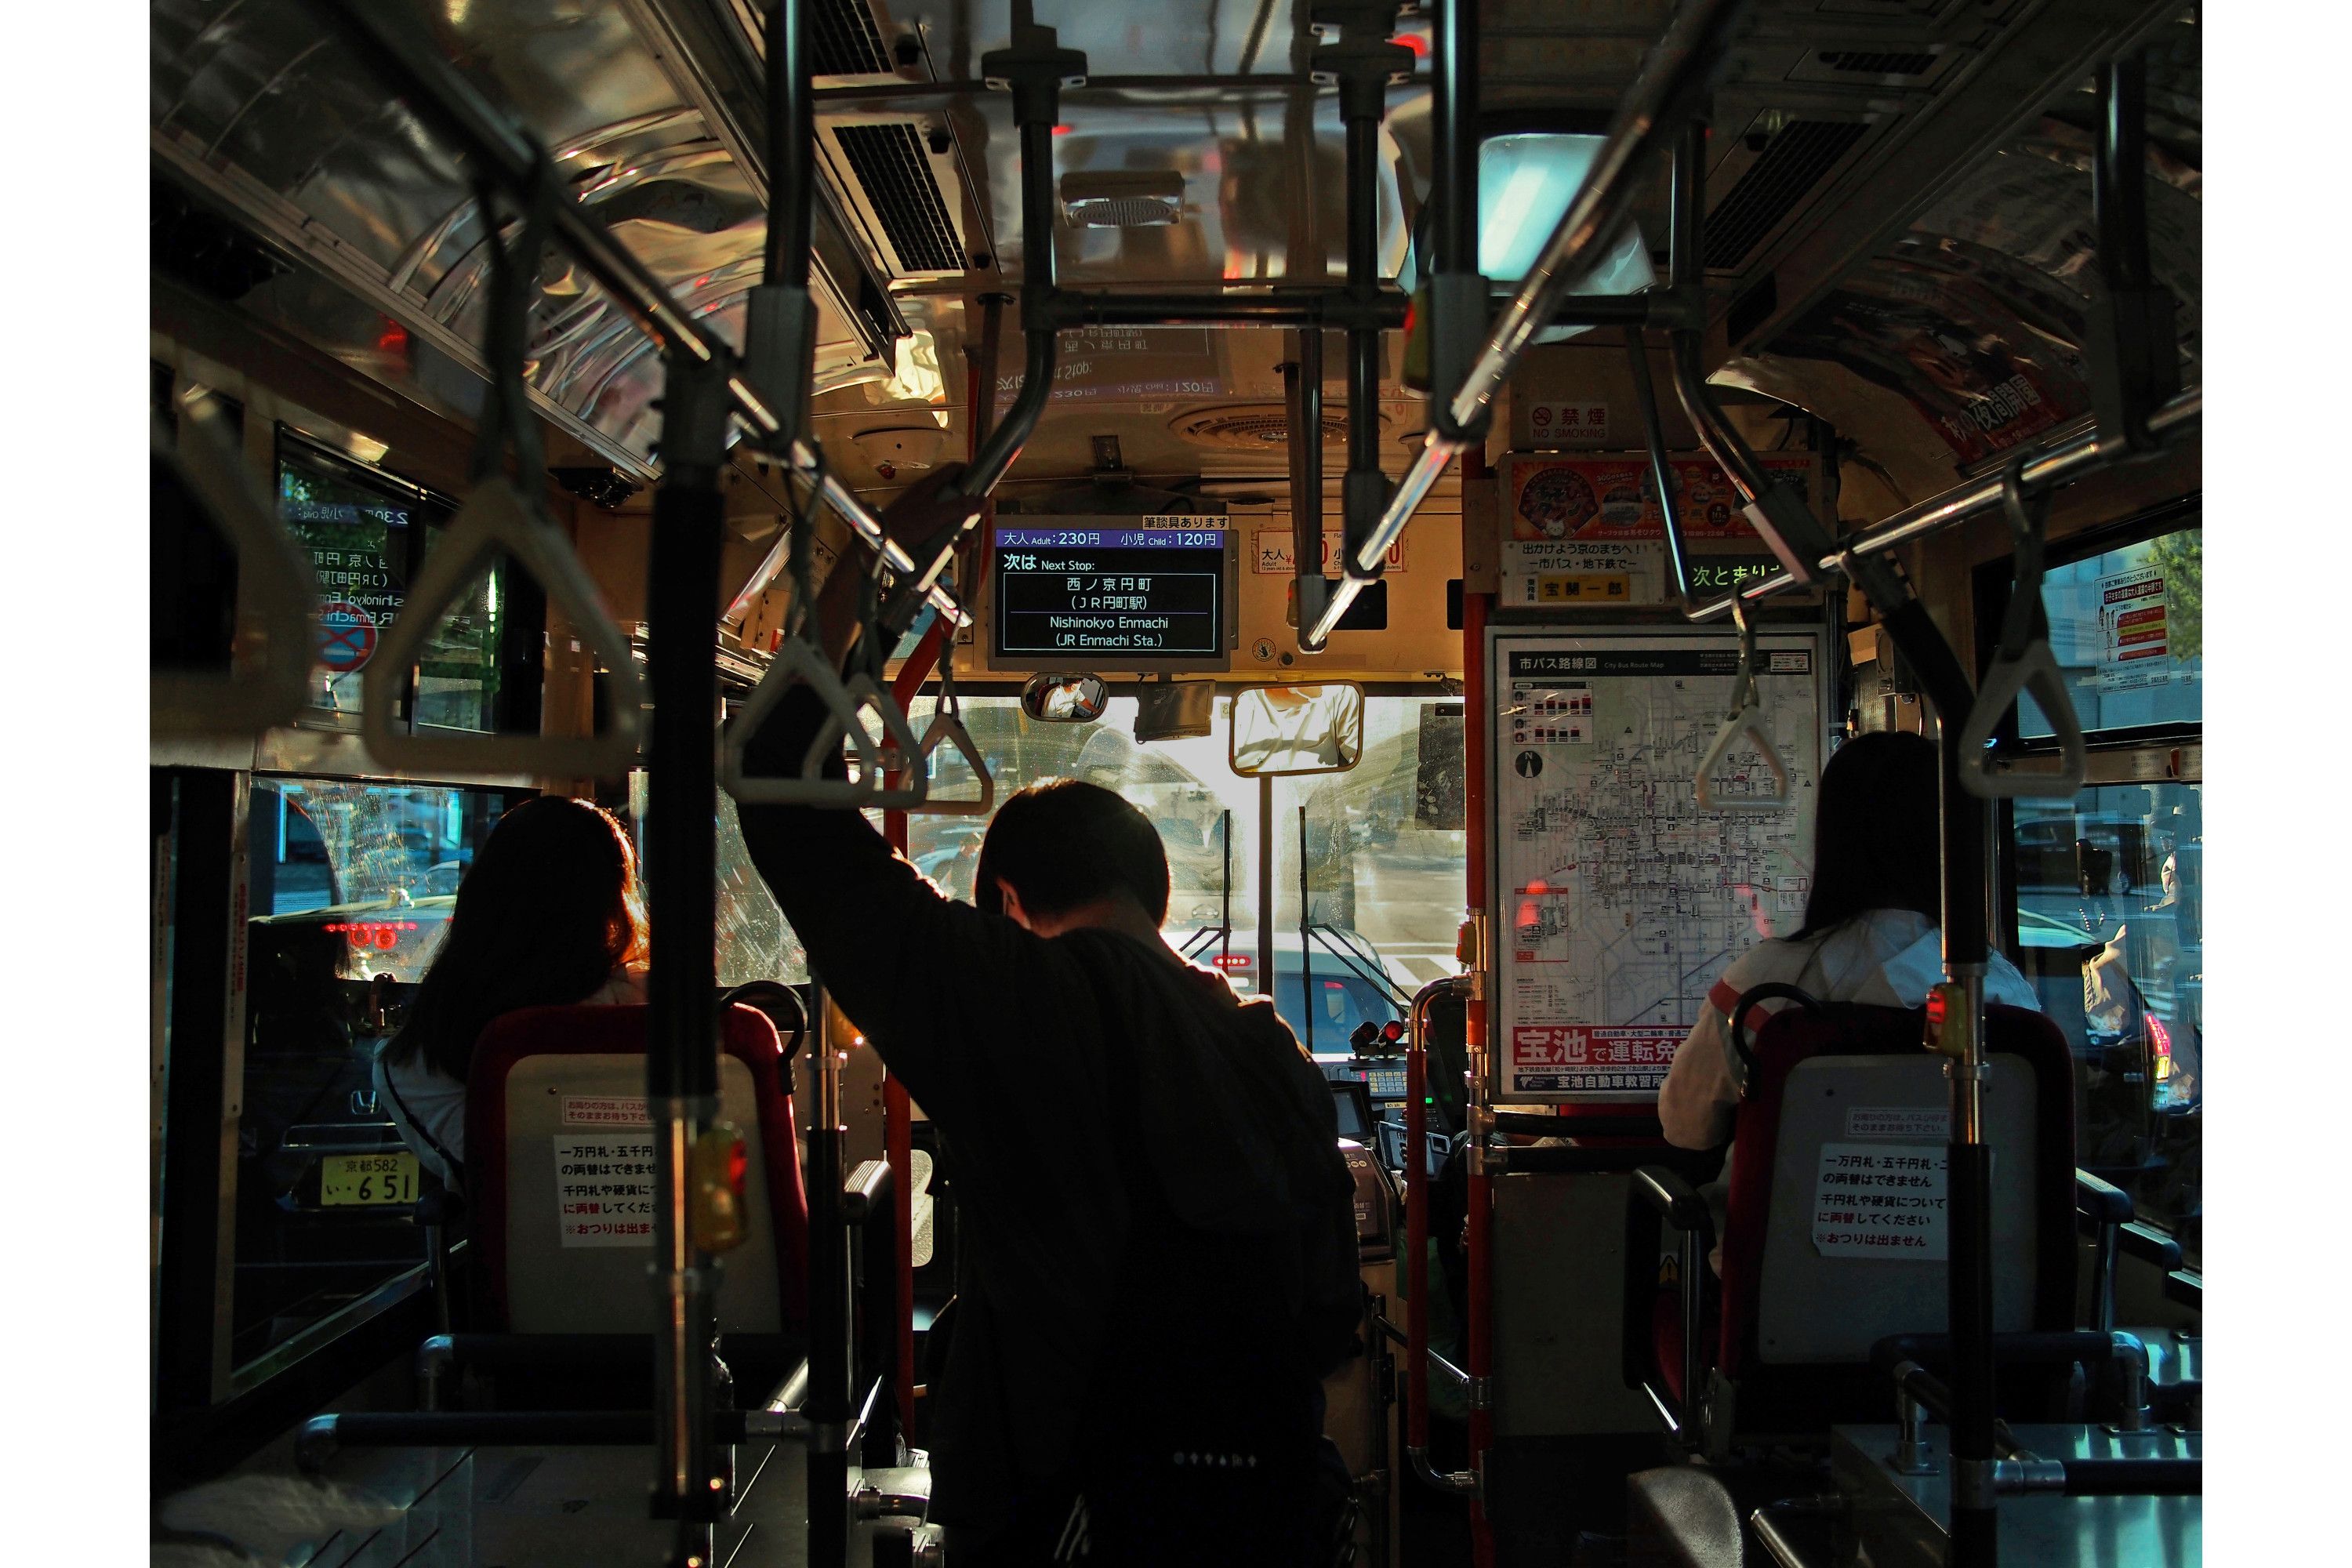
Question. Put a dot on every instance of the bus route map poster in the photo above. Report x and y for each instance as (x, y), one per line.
(1620, 903)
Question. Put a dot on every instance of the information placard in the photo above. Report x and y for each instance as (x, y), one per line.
(1111, 596)
(1618, 901)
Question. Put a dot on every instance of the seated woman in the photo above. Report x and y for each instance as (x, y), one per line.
(550, 915)
(1870, 933)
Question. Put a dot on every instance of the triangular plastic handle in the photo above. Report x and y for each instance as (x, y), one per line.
(278, 598)
(500, 515)
(1749, 721)
(864, 691)
(798, 664)
(2035, 671)
(946, 729)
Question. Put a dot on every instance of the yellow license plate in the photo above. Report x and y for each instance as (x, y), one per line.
(366, 1179)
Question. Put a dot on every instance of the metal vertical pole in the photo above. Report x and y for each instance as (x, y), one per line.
(1225, 900)
(1364, 492)
(681, 885)
(1265, 885)
(1302, 376)
(831, 1357)
(1477, 721)
(1306, 945)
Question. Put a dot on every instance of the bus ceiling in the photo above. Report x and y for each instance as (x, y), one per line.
(1216, 162)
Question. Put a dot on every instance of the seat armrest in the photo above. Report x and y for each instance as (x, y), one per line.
(2184, 1289)
(2150, 1244)
(1674, 1199)
(2099, 1201)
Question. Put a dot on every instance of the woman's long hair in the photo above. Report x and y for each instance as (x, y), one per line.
(549, 909)
(1876, 841)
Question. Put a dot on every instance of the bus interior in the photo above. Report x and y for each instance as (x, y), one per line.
(1680, 389)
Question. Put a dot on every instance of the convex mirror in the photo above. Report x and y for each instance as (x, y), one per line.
(1281, 731)
(1066, 699)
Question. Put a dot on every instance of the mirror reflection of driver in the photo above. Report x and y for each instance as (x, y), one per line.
(1305, 729)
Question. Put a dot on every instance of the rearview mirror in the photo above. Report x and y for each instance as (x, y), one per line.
(1066, 699)
(1283, 730)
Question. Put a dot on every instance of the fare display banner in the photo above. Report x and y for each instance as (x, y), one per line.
(1120, 593)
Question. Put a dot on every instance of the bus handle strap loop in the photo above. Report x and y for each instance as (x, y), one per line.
(2023, 662)
(800, 663)
(1747, 719)
(899, 750)
(500, 515)
(278, 596)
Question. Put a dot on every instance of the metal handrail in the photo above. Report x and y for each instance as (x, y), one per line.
(2023, 662)
(432, 87)
(1681, 70)
(2059, 464)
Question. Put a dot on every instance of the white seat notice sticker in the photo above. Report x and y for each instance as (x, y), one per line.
(1881, 1200)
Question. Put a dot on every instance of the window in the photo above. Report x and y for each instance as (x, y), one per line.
(349, 886)
(755, 940)
(2126, 625)
(2110, 928)
(1384, 845)
(361, 526)
(2109, 886)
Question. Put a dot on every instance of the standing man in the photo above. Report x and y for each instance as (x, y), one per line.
(1161, 1267)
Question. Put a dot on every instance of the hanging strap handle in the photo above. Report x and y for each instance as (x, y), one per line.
(946, 729)
(2023, 662)
(799, 661)
(1747, 719)
(506, 514)
(902, 750)
(278, 596)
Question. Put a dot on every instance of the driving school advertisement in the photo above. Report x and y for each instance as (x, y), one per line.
(1584, 528)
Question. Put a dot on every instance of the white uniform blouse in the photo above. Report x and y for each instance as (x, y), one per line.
(1887, 957)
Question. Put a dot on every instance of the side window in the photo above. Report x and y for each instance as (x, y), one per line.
(2110, 886)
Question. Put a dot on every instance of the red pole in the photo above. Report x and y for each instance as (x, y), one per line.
(1477, 721)
(1416, 1244)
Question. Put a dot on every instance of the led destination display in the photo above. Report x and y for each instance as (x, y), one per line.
(1133, 591)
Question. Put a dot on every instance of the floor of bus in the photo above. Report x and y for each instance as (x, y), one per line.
(474, 1508)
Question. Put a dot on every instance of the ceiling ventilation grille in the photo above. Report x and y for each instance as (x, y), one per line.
(1803, 152)
(847, 42)
(1877, 62)
(889, 163)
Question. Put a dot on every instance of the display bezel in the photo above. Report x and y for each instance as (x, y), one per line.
(1121, 663)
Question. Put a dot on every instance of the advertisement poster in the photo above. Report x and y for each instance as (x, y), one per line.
(1584, 530)
(1620, 902)
(2132, 631)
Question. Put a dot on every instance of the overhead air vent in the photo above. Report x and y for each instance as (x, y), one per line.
(1878, 62)
(1122, 198)
(894, 175)
(1791, 164)
(1120, 212)
(846, 41)
(1252, 427)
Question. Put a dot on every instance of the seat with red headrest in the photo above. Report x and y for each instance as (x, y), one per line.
(560, 1173)
(1835, 1234)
